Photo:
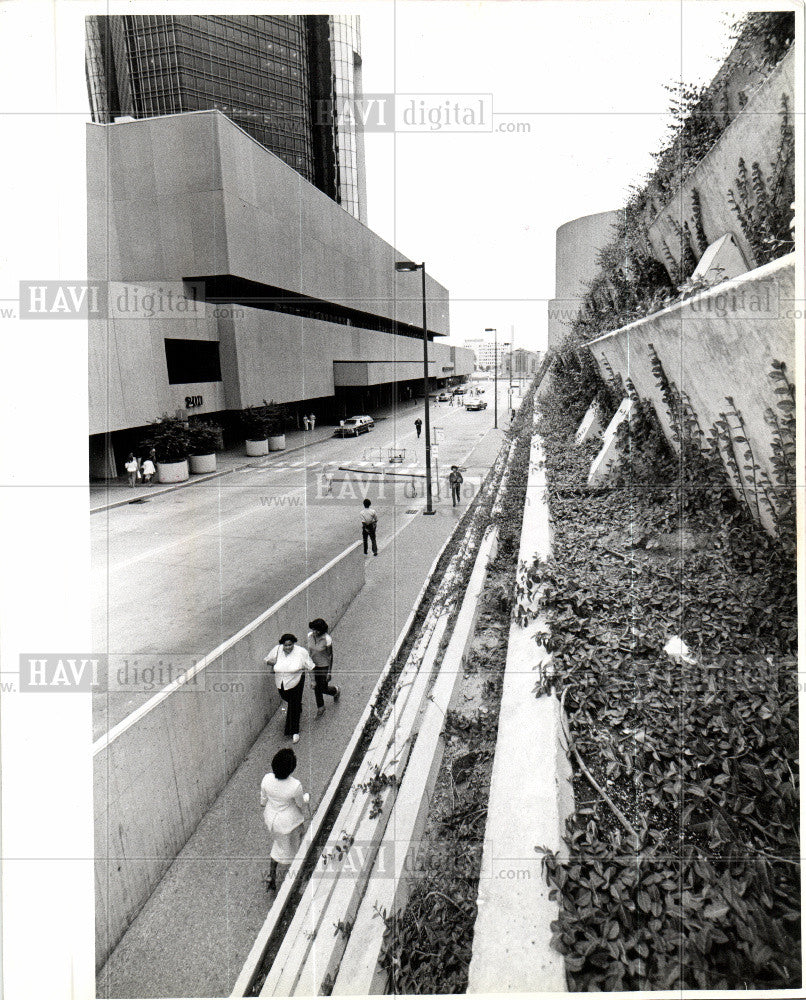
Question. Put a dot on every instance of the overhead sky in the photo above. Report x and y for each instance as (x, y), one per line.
(586, 78)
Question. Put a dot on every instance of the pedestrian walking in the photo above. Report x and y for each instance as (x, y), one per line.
(132, 469)
(148, 471)
(369, 525)
(320, 650)
(419, 426)
(306, 422)
(456, 480)
(312, 419)
(290, 662)
(284, 805)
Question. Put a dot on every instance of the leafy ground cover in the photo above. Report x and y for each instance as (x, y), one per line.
(689, 877)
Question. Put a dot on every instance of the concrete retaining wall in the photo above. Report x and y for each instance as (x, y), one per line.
(531, 796)
(717, 344)
(754, 135)
(158, 771)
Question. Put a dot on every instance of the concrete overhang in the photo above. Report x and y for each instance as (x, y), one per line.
(347, 374)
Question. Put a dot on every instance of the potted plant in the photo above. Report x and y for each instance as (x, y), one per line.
(170, 439)
(204, 440)
(255, 425)
(276, 417)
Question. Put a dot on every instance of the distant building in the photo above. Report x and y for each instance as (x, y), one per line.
(484, 352)
(520, 362)
(578, 246)
(281, 79)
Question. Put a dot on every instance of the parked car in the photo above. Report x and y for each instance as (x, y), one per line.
(444, 397)
(353, 426)
(476, 404)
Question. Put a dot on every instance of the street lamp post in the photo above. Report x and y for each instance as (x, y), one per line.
(407, 265)
(493, 330)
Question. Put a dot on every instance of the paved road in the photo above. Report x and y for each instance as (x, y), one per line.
(194, 933)
(180, 574)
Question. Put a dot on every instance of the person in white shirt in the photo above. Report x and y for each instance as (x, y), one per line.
(132, 469)
(284, 807)
(148, 471)
(290, 662)
(369, 524)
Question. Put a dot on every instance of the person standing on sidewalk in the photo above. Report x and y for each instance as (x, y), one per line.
(369, 525)
(456, 480)
(306, 422)
(284, 807)
(148, 471)
(320, 650)
(132, 470)
(419, 426)
(290, 662)
(312, 421)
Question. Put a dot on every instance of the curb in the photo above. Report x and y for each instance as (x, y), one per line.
(199, 479)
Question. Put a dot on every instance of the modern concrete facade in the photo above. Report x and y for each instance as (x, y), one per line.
(578, 245)
(261, 287)
(283, 79)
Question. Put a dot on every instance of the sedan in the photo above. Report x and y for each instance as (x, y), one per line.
(354, 426)
(476, 404)
(444, 397)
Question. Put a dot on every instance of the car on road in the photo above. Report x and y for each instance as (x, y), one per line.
(459, 392)
(476, 404)
(353, 426)
(444, 397)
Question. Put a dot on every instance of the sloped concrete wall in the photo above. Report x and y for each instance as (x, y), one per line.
(754, 136)
(156, 776)
(718, 344)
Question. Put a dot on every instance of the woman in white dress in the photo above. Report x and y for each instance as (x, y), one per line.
(285, 805)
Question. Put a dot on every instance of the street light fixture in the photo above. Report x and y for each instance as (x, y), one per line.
(493, 330)
(408, 265)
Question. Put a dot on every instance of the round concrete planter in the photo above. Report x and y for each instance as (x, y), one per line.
(255, 448)
(277, 442)
(172, 472)
(202, 463)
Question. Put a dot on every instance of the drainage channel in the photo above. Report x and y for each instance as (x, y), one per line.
(304, 936)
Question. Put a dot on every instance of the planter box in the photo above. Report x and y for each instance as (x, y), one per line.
(277, 442)
(172, 472)
(255, 448)
(202, 463)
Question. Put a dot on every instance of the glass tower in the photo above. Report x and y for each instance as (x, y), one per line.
(269, 74)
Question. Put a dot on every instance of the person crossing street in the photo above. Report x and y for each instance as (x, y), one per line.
(419, 426)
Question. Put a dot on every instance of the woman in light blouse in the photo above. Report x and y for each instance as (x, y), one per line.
(284, 807)
(290, 662)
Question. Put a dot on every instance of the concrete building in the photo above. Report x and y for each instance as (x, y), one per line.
(520, 362)
(578, 245)
(232, 279)
(484, 352)
(284, 80)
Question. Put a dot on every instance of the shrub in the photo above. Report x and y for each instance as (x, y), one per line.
(204, 438)
(170, 439)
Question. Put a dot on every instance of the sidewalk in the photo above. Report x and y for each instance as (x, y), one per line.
(194, 933)
(117, 492)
